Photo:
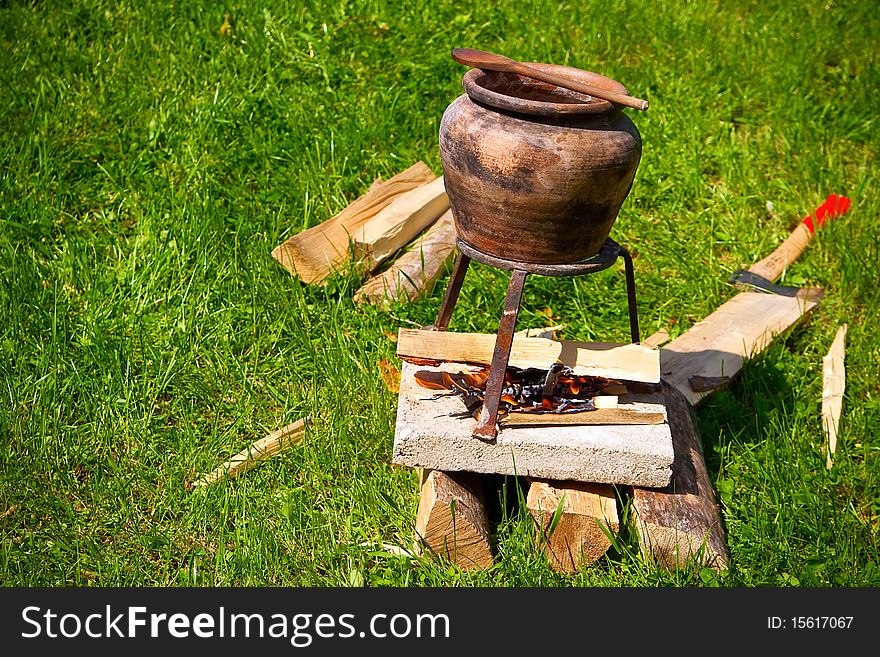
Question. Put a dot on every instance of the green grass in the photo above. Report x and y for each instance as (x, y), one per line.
(150, 164)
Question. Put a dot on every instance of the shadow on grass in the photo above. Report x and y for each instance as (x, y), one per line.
(744, 412)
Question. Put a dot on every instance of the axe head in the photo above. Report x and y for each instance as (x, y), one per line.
(743, 277)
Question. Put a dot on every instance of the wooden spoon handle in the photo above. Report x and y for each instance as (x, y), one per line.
(568, 83)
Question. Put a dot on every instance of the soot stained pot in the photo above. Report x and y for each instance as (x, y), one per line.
(536, 173)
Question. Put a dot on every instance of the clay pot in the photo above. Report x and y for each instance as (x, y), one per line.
(536, 173)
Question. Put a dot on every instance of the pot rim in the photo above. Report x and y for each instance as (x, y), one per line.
(478, 85)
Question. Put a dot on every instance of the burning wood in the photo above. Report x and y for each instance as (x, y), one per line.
(530, 390)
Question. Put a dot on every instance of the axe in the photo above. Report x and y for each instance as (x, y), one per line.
(762, 274)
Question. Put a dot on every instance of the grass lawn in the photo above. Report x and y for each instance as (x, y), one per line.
(153, 155)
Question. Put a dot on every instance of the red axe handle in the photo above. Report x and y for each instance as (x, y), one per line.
(786, 253)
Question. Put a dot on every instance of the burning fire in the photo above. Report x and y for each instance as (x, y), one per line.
(530, 390)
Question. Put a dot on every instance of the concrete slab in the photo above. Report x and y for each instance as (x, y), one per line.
(435, 432)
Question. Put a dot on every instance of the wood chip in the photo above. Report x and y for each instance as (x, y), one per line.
(656, 339)
(272, 445)
(833, 384)
(541, 332)
(390, 375)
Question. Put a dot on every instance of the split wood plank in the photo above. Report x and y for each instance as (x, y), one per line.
(632, 362)
(315, 253)
(619, 415)
(718, 346)
(399, 223)
(414, 273)
(264, 448)
(682, 521)
(578, 539)
(833, 385)
(452, 522)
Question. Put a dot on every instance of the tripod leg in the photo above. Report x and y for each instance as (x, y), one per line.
(451, 296)
(486, 428)
(631, 295)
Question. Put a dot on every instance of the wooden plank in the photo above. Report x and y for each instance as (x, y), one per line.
(414, 273)
(681, 522)
(399, 223)
(632, 362)
(317, 252)
(619, 415)
(578, 538)
(833, 385)
(718, 346)
(452, 522)
(264, 448)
